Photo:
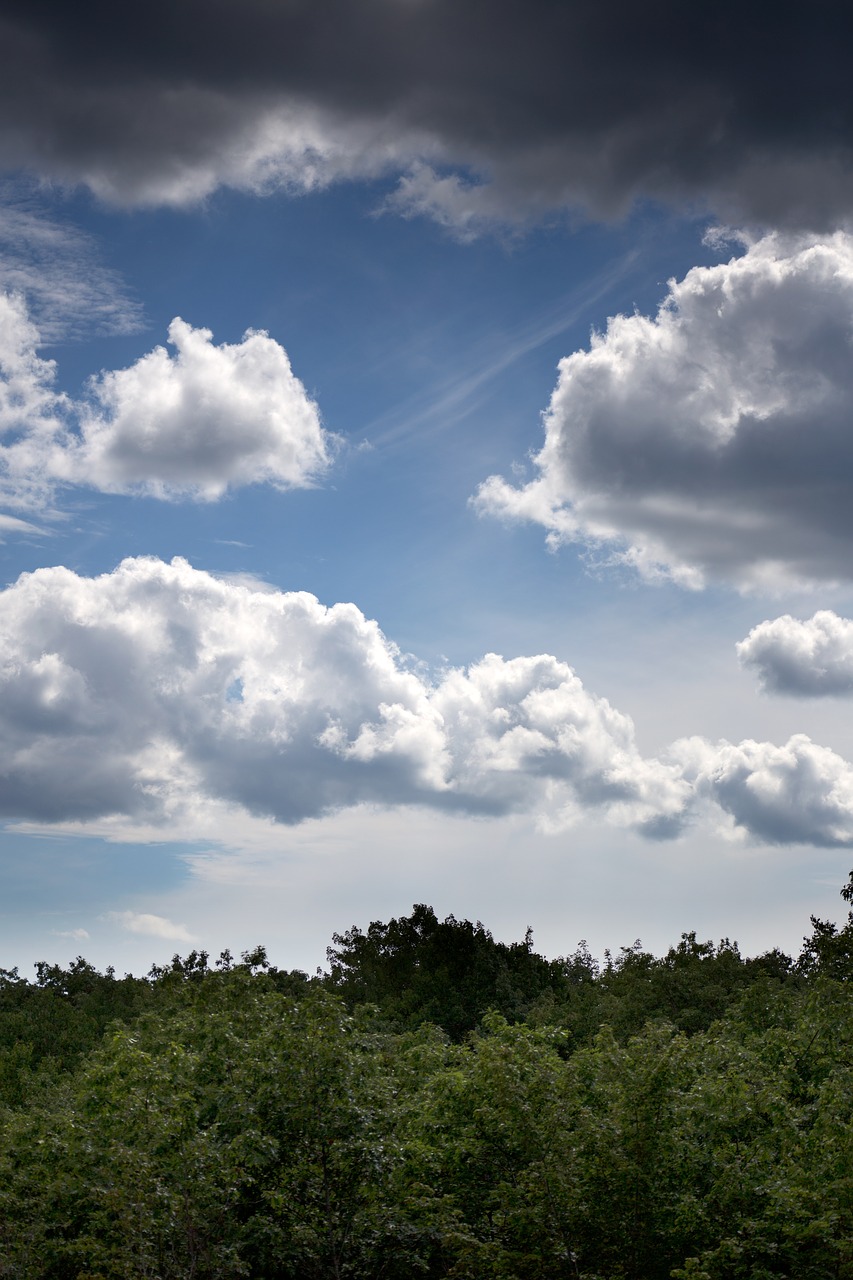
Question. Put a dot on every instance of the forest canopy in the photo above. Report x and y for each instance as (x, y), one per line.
(438, 1104)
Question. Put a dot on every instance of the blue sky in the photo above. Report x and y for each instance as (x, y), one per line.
(197, 755)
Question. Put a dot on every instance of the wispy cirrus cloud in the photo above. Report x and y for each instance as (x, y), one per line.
(56, 268)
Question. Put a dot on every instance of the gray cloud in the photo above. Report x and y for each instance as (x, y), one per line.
(798, 793)
(803, 658)
(155, 691)
(532, 106)
(712, 441)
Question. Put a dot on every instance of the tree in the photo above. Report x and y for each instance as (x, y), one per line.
(451, 972)
(828, 952)
(232, 1132)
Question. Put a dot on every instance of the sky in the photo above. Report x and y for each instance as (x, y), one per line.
(426, 473)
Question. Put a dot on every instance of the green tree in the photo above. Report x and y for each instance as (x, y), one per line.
(49, 1024)
(449, 972)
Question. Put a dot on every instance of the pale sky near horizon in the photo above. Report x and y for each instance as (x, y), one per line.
(426, 474)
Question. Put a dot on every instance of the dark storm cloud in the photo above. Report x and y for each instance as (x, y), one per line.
(551, 103)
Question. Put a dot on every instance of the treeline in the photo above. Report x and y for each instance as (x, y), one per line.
(436, 1104)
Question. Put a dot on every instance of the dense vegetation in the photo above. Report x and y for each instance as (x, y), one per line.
(437, 1104)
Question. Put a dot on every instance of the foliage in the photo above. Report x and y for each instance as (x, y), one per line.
(449, 972)
(438, 1105)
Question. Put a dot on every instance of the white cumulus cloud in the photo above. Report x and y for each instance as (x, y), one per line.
(158, 692)
(199, 421)
(157, 687)
(27, 395)
(714, 440)
(32, 414)
(190, 424)
(805, 658)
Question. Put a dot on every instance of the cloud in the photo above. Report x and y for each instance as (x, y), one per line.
(193, 424)
(32, 414)
(150, 925)
(546, 105)
(11, 524)
(528, 724)
(27, 396)
(464, 208)
(77, 935)
(157, 693)
(711, 441)
(151, 690)
(796, 794)
(198, 422)
(806, 659)
(56, 269)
